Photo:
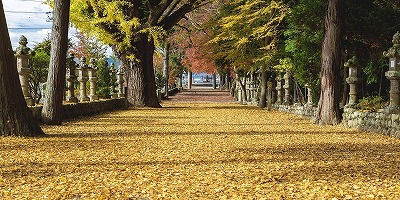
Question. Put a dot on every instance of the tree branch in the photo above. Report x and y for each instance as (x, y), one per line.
(169, 21)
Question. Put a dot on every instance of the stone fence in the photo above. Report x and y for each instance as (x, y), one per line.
(74, 110)
(380, 121)
(304, 111)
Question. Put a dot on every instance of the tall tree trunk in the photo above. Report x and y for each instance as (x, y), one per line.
(52, 109)
(328, 105)
(140, 74)
(243, 87)
(263, 87)
(150, 92)
(166, 68)
(221, 81)
(135, 83)
(15, 117)
(214, 81)
(190, 78)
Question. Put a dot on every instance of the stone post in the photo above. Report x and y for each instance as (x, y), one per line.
(92, 69)
(309, 96)
(296, 99)
(112, 72)
(120, 80)
(83, 78)
(393, 74)
(273, 91)
(248, 91)
(23, 53)
(287, 88)
(352, 80)
(278, 89)
(269, 95)
(238, 88)
(71, 78)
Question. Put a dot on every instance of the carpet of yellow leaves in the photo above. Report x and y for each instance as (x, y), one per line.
(199, 151)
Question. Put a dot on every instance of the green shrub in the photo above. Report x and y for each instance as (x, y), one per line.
(372, 103)
(160, 80)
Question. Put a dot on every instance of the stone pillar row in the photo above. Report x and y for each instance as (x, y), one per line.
(282, 88)
(74, 72)
(84, 73)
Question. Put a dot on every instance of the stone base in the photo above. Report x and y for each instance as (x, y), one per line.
(113, 96)
(350, 105)
(121, 95)
(72, 99)
(94, 97)
(309, 105)
(29, 101)
(392, 110)
(84, 99)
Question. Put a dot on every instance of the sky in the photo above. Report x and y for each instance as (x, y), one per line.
(28, 18)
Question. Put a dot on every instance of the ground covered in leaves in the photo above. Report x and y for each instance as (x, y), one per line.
(193, 150)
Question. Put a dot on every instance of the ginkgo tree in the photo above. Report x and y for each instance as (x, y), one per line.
(132, 28)
(248, 35)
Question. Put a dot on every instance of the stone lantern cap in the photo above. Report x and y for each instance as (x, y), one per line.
(82, 63)
(92, 64)
(71, 62)
(353, 66)
(394, 51)
(394, 55)
(22, 49)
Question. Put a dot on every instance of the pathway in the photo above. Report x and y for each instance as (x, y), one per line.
(199, 150)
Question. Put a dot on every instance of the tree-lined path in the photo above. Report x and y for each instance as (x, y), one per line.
(199, 150)
(202, 94)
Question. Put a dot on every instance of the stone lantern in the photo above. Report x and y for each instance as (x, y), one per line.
(23, 53)
(112, 73)
(269, 95)
(71, 78)
(287, 87)
(83, 78)
(92, 69)
(353, 79)
(120, 80)
(310, 102)
(278, 89)
(393, 74)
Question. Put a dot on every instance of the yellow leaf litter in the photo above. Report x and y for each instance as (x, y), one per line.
(199, 151)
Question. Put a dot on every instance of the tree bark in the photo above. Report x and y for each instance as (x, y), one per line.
(15, 117)
(190, 79)
(166, 68)
(328, 105)
(221, 81)
(243, 87)
(214, 81)
(263, 87)
(140, 74)
(52, 109)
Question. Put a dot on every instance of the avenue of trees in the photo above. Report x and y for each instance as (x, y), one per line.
(311, 38)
